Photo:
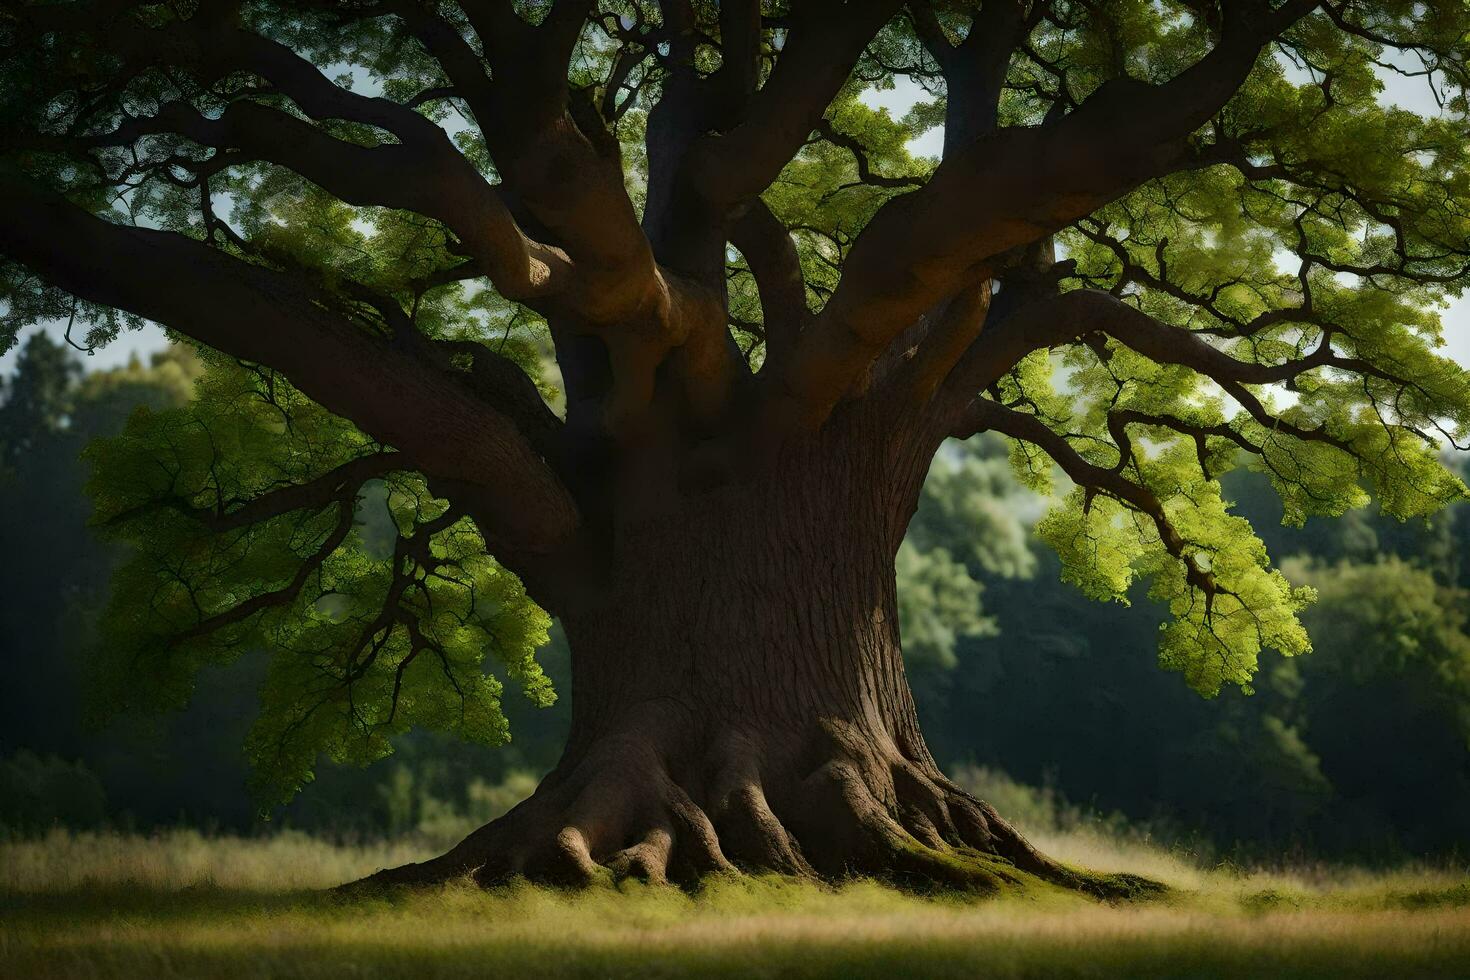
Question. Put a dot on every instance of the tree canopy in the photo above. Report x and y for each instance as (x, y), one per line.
(1162, 238)
(1361, 749)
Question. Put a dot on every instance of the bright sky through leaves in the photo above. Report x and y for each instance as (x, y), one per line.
(1407, 93)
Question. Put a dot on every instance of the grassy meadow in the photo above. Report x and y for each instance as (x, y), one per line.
(184, 905)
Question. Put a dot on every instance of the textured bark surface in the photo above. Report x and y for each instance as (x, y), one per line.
(740, 704)
(715, 528)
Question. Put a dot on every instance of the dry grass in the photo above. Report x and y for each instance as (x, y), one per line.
(181, 905)
(1310, 884)
(290, 861)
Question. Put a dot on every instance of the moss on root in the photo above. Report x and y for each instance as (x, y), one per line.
(917, 870)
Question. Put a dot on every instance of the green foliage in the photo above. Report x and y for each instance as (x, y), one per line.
(1310, 244)
(1361, 748)
(185, 766)
(969, 524)
(1333, 233)
(1393, 623)
(1097, 544)
(363, 643)
(233, 907)
(1215, 637)
(938, 602)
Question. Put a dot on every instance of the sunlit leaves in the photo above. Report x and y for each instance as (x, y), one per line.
(376, 605)
(1305, 239)
(1098, 543)
(1219, 629)
(1319, 250)
(1216, 636)
(820, 195)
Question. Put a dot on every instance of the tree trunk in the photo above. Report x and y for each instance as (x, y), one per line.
(740, 703)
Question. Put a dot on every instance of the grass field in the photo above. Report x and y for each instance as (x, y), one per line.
(182, 905)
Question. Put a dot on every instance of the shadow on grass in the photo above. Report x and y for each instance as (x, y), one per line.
(1457, 896)
(197, 902)
(750, 927)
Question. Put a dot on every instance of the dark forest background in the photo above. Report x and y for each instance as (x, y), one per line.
(1359, 751)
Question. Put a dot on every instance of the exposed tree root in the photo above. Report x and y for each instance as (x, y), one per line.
(864, 810)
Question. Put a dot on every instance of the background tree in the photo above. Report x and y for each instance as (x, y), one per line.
(1285, 769)
(1358, 750)
(766, 319)
(48, 414)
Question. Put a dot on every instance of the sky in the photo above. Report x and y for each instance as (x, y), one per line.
(1409, 93)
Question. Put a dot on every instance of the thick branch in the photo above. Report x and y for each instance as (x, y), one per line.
(825, 42)
(337, 484)
(502, 384)
(435, 182)
(263, 316)
(562, 183)
(740, 55)
(422, 171)
(1006, 190)
(975, 69)
(771, 254)
(530, 61)
(954, 329)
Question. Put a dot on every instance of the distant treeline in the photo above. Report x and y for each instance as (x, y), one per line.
(1361, 749)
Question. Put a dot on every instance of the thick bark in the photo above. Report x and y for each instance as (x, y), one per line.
(740, 698)
(740, 704)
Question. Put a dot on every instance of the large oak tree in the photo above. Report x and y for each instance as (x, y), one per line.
(1163, 237)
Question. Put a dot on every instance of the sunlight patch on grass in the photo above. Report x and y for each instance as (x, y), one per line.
(1301, 885)
(66, 861)
(180, 905)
